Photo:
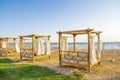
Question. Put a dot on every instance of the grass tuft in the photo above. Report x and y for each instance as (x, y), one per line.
(5, 60)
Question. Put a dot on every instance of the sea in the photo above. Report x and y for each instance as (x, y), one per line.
(83, 45)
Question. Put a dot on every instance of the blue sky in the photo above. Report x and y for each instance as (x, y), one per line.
(21, 17)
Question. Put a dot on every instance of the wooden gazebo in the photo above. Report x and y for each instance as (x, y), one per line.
(78, 58)
(5, 46)
(30, 52)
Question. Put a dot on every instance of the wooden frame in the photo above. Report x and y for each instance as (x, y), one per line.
(88, 32)
(8, 49)
(33, 37)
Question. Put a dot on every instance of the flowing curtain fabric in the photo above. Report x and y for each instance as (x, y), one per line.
(100, 47)
(66, 44)
(17, 46)
(47, 47)
(40, 47)
(63, 44)
(4, 44)
(93, 50)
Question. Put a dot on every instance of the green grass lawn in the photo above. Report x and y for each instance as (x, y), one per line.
(10, 71)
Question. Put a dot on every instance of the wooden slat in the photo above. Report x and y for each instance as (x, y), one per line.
(75, 51)
(26, 49)
(76, 65)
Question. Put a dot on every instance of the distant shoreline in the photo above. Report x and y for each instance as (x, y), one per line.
(81, 42)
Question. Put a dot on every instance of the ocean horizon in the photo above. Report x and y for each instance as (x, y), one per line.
(81, 45)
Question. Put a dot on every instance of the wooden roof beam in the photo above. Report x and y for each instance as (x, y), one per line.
(75, 31)
(8, 38)
(35, 35)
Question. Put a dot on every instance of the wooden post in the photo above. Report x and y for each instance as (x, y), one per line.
(74, 39)
(59, 37)
(33, 48)
(89, 50)
(21, 47)
(14, 44)
(48, 37)
(7, 48)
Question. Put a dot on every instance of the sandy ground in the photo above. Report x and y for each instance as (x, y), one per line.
(108, 70)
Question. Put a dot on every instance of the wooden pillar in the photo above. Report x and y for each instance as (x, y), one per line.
(59, 37)
(21, 47)
(89, 50)
(33, 48)
(74, 40)
(7, 48)
(14, 44)
(49, 37)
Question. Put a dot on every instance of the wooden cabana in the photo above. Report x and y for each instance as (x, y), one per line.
(34, 46)
(9, 45)
(84, 59)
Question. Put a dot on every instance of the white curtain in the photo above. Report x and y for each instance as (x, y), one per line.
(4, 44)
(40, 47)
(100, 47)
(63, 44)
(35, 45)
(47, 46)
(66, 44)
(93, 50)
(17, 46)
